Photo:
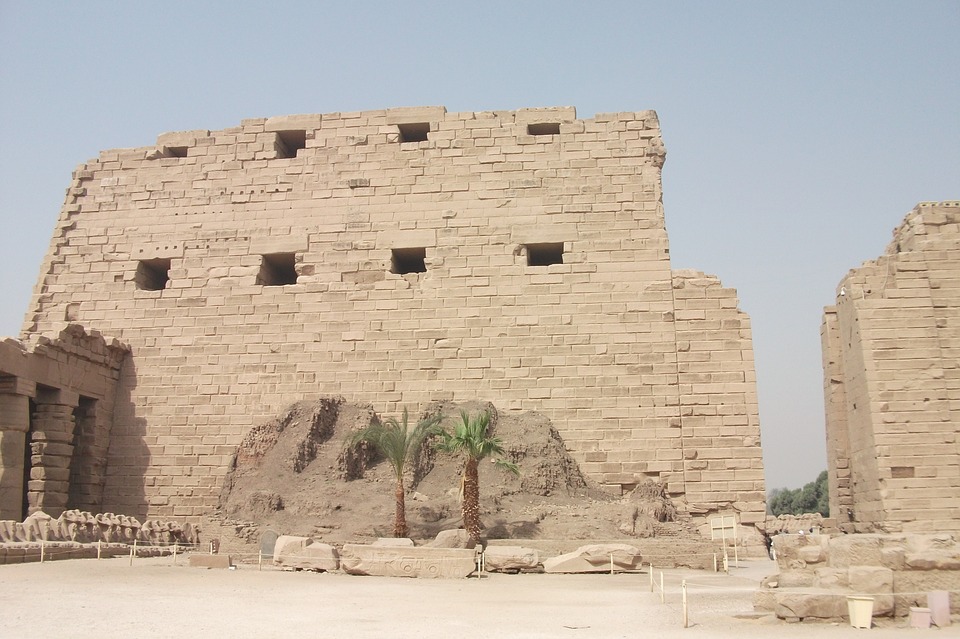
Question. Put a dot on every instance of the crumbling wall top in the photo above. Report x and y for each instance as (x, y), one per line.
(400, 124)
(926, 219)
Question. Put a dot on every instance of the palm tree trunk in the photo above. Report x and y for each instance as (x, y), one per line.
(400, 518)
(471, 500)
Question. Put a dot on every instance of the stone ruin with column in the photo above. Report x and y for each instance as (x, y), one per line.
(891, 360)
(195, 287)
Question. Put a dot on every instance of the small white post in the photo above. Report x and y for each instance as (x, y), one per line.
(661, 587)
(651, 577)
(133, 550)
(99, 549)
(683, 589)
(611, 563)
(174, 553)
(260, 561)
(715, 567)
(42, 549)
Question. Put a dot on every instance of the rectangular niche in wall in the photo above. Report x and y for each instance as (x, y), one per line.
(289, 142)
(544, 128)
(408, 260)
(277, 269)
(544, 254)
(414, 131)
(152, 275)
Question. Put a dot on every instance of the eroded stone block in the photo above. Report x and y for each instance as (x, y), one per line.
(452, 539)
(595, 558)
(510, 558)
(876, 582)
(303, 553)
(810, 603)
(387, 561)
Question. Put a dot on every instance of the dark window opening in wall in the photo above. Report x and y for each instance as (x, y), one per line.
(289, 142)
(176, 151)
(277, 269)
(408, 260)
(544, 128)
(82, 460)
(414, 132)
(544, 254)
(152, 275)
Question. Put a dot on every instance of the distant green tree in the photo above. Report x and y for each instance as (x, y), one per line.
(823, 501)
(812, 498)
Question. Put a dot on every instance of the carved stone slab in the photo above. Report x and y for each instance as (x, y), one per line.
(393, 561)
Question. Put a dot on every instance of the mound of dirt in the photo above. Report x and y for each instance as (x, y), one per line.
(296, 475)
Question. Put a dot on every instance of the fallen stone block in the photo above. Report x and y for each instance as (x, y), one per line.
(595, 558)
(303, 553)
(452, 539)
(876, 582)
(794, 552)
(210, 561)
(925, 581)
(933, 560)
(764, 599)
(387, 561)
(798, 579)
(855, 550)
(510, 558)
(830, 578)
(810, 603)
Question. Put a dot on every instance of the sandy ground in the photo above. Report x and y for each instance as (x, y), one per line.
(155, 598)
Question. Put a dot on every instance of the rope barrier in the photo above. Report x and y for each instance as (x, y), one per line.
(44, 550)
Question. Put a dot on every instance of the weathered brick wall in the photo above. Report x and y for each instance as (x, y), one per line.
(591, 341)
(720, 429)
(893, 345)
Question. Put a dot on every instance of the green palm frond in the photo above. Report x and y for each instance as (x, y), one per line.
(507, 466)
(470, 438)
(395, 440)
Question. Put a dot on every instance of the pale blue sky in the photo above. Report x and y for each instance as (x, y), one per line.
(798, 134)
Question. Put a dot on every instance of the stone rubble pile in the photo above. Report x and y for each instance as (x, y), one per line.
(819, 572)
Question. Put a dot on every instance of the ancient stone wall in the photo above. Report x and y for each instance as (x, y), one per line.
(56, 412)
(891, 348)
(398, 257)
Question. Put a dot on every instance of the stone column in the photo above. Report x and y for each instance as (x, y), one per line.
(15, 394)
(51, 444)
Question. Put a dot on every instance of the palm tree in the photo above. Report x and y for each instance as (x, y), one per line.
(398, 444)
(471, 440)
